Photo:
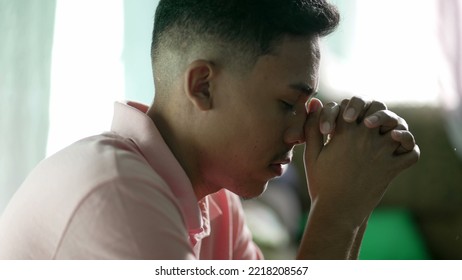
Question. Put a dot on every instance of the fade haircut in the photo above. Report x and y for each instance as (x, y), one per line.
(238, 31)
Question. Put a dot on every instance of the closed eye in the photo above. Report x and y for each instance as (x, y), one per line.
(287, 106)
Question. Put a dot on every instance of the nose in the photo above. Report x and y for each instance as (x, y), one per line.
(295, 132)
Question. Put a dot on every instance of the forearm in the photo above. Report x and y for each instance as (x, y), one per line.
(328, 237)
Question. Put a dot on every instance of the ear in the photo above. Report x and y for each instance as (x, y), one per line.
(197, 83)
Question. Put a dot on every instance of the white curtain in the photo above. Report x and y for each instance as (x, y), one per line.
(62, 65)
(26, 35)
(449, 20)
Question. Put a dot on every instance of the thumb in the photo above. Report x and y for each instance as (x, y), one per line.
(313, 136)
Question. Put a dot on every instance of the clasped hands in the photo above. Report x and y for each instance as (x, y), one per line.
(368, 146)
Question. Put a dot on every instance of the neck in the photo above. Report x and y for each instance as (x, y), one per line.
(179, 142)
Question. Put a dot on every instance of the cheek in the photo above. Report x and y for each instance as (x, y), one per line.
(246, 150)
(256, 130)
(264, 142)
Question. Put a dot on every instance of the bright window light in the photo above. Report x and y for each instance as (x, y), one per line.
(392, 53)
(87, 71)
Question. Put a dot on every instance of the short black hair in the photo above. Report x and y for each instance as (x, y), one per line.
(249, 27)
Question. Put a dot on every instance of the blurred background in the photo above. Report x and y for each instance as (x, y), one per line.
(64, 63)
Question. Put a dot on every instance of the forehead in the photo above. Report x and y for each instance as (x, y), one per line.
(299, 46)
(294, 60)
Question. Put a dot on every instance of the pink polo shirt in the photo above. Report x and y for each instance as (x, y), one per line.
(121, 195)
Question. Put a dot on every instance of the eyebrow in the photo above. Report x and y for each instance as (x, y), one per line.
(303, 88)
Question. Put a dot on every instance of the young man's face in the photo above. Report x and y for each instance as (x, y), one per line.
(259, 117)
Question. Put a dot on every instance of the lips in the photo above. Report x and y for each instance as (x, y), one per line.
(280, 162)
(278, 166)
(283, 161)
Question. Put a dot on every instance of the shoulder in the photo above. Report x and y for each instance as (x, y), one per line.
(101, 158)
(126, 220)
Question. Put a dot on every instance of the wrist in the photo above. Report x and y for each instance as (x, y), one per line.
(327, 235)
(334, 218)
(341, 213)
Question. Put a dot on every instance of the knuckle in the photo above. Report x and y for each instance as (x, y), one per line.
(401, 127)
(403, 123)
(389, 116)
(411, 139)
(408, 139)
(415, 156)
(379, 105)
(383, 113)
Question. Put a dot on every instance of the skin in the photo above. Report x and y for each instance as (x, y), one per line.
(342, 200)
(235, 130)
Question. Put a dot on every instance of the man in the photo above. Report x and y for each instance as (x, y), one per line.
(234, 84)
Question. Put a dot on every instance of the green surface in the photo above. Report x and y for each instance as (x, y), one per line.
(392, 234)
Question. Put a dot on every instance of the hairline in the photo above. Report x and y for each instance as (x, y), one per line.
(232, 59)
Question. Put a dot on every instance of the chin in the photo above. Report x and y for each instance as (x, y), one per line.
(249, 191)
